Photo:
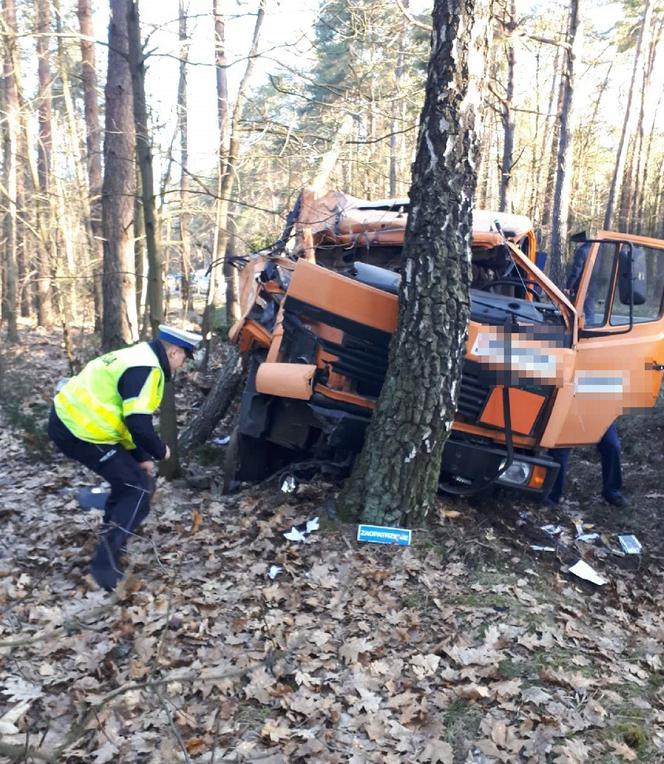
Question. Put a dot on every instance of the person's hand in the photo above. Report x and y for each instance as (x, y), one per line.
(167, 455)
(148, 466)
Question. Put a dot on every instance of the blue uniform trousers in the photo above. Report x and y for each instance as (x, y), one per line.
(609, 450)
(127, 506)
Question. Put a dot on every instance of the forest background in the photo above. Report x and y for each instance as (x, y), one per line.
(244, 99)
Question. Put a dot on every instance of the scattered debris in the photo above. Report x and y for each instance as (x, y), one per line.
(380, 534)
(630, 544)
(538, 548)
(289, 484)
(274, 571)
(582, 570)
(552, 530)
(303, 530)
(223, 441)
(587, 537)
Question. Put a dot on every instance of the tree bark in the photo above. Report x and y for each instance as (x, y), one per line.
(565, 153)
(229, 151)
(168, 421)
(11, 172)
(120, 326)
(43, 24)
(216, 403)
(507, 115)
(396, 476)
(183, 124)
(628, 121)
(93, 145)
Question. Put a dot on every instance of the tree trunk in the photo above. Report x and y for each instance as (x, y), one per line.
(565, 153)
(507, 116)
(120, 326)
(185, 238)
(396, 476)
(550, 144)
(43, 19)
(229, 151)
(216, 402)
(144, 159)
(628, 121)
(93, 144)
(11, 172)
(168, 421)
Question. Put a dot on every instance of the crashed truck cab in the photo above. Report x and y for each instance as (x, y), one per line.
(539, 371)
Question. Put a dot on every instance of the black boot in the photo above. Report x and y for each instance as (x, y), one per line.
(105, 564)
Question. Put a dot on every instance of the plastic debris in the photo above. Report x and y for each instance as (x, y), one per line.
(289, 484)
(274, 571)
(630, 544)
(552, 530)
(303, 530)
(582, 570)
(587, 537)
(380, 534)
(224, 441)
(538, 548)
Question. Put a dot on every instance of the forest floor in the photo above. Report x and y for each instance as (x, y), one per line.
(468, 646)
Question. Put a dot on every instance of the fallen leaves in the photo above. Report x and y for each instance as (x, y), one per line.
(447, 651)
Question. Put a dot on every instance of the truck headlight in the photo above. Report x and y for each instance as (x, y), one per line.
(518, 473)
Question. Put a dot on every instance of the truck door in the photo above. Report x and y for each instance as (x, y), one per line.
(620, 344)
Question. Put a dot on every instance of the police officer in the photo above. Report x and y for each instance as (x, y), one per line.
(103, 418)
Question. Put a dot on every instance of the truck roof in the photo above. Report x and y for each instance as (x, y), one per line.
(338, 218)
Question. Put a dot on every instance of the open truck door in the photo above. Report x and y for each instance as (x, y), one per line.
(620, 338)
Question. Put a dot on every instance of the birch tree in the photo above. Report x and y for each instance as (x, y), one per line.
(563, 182)
(396, 476)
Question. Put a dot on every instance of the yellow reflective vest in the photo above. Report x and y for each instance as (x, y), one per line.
(91, 407)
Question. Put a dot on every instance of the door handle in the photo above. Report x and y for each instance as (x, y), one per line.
(654, 366)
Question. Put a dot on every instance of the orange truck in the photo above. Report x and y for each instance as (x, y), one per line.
(542, 369)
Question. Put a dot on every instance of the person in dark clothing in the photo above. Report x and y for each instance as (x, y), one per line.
(609, 445)
(609, 451)
(102, 418)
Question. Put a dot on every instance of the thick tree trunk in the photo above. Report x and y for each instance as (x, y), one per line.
(396, 476)
(44, 304)
(565, 153)
(630, 115)
(120, 326)
(93, 144)
(216, 403)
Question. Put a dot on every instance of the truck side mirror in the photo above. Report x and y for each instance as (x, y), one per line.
(632, 281)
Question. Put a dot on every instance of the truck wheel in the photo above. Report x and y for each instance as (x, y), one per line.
(247, 459)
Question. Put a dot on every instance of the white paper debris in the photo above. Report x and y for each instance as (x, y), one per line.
(582, 570)
(552, 530)
(538, 548)
(294, 535)
(312, 525)
(303, 530)
(289, 484)
(274, 571)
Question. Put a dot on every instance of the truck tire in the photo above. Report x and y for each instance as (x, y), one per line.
(247, 459)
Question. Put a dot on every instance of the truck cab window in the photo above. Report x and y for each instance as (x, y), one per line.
(651, 308)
